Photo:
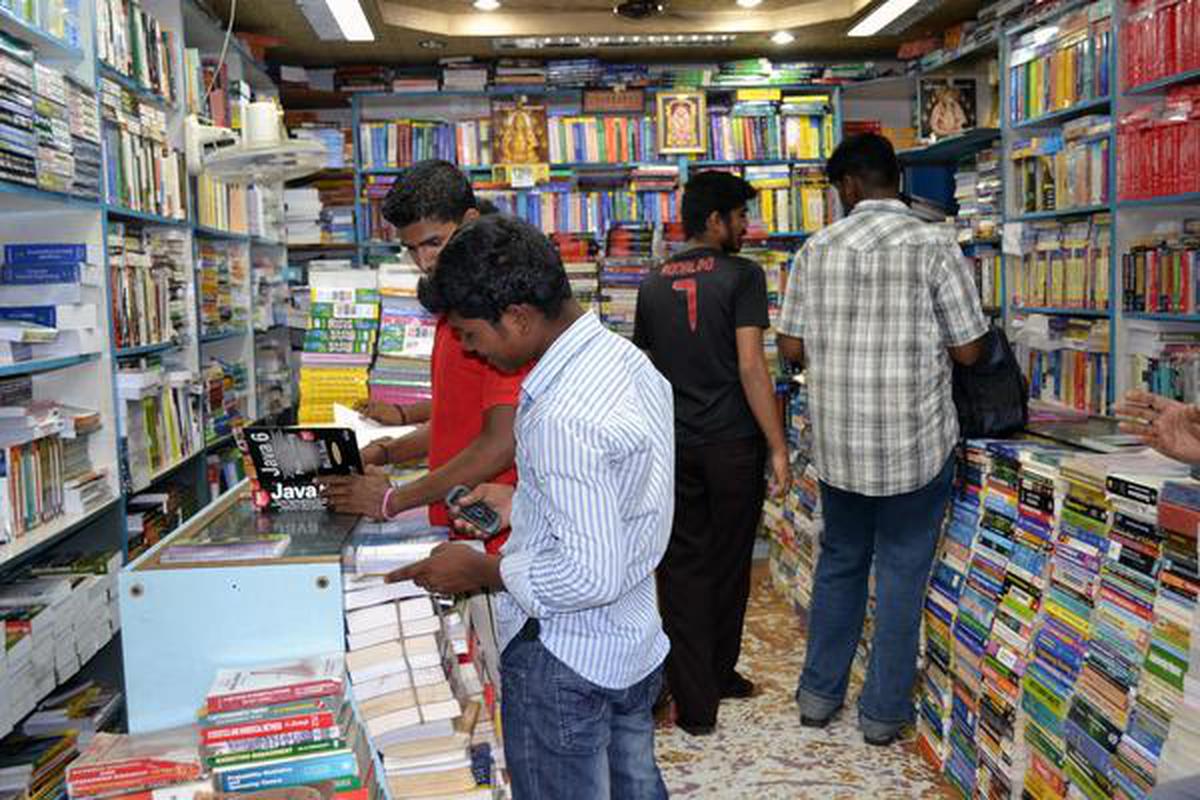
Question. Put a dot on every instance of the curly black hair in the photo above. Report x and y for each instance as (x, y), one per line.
(493, 263)
(431, 189)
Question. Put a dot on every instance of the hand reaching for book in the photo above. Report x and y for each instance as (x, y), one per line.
(383, 413)
(358, 494)
(452, 569)
(1170, 427)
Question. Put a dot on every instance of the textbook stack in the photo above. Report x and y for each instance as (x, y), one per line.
(81, 709)
(55, 151)
(164, 763)
(977, 192)
(1062, 171)
(1055, 67)
(1160, 272)
(135, 44)
(49, 300)
(1065, 264)
(143, 172)
(339, 343)
(160, 421)
(1164, 358)
(401, 374)
(302, 215)
(226, 393)
(224, 306)
(19, 163)
(1067, 360)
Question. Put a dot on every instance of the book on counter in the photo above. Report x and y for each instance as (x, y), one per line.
(287, 460)
(118, 764)
(236, 689)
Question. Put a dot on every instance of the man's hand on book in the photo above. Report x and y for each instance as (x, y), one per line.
(358, 494)
(453, 569)
(496, 495)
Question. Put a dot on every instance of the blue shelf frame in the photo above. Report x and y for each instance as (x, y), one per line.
(47, 46)
(1155, 86)
(46, 196)
(1092, 313)
(144, 216)
(47, 365)
(1064, 115)
(951, 149)
(146, 349)
(217, 233)
(1078, 211)
(1188, 199)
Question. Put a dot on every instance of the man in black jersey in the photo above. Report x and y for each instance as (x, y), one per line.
(701, 319)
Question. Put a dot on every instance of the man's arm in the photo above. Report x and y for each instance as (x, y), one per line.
(390, 414)
(956, 307)
(760, 395)
(791, 348)
(483, 459)
(969, 353)
(397, 451)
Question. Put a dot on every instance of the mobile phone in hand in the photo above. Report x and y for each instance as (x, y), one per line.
(480, 515)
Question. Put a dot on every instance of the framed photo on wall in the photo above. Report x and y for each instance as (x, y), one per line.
(682, 123)
(947, 106)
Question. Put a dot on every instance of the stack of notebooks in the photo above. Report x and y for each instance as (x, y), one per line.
(19, 160)
(57, 617)
(160, 421)
(628, 257)
(401, 373)
(339, 343)
(49, 300)
(580, 254)
(141, 288)
(143, 172)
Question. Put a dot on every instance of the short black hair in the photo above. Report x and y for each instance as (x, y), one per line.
(432, 189)
(712, 191)
(485, 206)
(495, 262)
(868, 157)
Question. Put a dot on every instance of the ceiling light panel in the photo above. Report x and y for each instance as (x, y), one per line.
(334, 20)
(892, 17)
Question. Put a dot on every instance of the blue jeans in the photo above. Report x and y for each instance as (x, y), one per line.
(567, 737)
(900, 534)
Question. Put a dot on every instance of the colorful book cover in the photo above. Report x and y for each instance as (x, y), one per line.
(287, 460)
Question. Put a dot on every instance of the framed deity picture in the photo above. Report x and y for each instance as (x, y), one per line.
(682, 123)
(519, 134)
(947, 106)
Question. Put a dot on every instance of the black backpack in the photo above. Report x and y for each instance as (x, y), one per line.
(991, 395)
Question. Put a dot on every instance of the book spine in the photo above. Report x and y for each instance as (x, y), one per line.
(288, 773)
(27, 254)
(275, 754)
(277, 727)
(37, 274)
(238, 701)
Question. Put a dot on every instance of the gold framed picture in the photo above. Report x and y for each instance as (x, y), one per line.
(682, 123)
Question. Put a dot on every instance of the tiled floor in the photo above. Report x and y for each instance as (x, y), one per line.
(760, 750)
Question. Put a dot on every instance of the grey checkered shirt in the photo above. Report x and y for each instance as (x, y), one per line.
(877, 298)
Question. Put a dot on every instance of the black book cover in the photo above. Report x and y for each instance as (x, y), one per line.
(286, 461)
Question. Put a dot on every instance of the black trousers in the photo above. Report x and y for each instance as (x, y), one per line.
(704, 577)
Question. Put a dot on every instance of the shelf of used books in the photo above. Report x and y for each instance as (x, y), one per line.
(414, 676)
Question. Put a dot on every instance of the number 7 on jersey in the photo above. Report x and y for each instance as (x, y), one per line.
(689, 287)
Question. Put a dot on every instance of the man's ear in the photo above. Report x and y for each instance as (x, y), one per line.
(714, 222)
(517, 318)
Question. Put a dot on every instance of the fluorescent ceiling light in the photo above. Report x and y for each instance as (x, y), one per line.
(881, 17)
(782, 37)
(334, 20)
(487, 5)
(748, 3)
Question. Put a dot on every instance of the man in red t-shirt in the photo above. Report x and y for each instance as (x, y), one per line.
(466, 430)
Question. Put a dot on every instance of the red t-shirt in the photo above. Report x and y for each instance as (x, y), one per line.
(464, 388)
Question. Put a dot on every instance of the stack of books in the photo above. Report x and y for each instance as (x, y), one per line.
(400, 142)
(558, 206)
(264, 212)
(1159, 273)
(36, 767)
(282, 725)
(1054, 68)
(362, 78)
(85, 139)
(224, 279)
(574, 72)
(609, 139)
(977, 193)
(134, 43)
(338, 143)
(463, 75)
(143, 172)
(160, 421)
(580, 254)
(302, 215)
(414, 80)
(654, 178)
(519, 72)
(49, 300)
(807, 126)
(121, 764)
(815, 202)
(375, 190)
(221, 205)
(771, 210)
(628, 258)
(151, 515)
(55, 622)
(1164, 358)
(1065, 264)
(141, 288)
(1066, 360)
(20, 152)
(339, 342)
(1157, 41)
(226, 393)
(1061, 171)
(401, 373)
(81, 709)
(55, 151)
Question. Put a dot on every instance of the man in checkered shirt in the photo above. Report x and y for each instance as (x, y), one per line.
(877, 306)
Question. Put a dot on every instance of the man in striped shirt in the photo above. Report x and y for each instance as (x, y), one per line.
(582, 640)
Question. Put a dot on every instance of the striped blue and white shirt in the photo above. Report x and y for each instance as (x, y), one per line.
(592, 511)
